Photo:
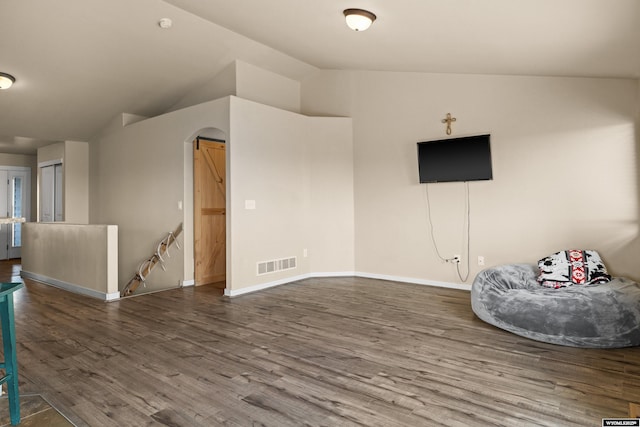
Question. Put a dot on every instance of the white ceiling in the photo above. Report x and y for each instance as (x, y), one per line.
(540, 37)
(79, 63)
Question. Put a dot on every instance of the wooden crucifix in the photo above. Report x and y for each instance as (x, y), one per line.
(448, 121)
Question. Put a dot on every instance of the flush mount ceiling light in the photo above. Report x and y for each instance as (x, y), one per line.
(6, 80)
(359, 19)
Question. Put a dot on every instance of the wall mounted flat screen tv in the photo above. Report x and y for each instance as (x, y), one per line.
(455, 159)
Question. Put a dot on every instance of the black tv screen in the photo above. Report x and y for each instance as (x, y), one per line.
(455, 159)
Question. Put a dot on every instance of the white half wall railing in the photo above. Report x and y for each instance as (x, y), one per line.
(74, 257)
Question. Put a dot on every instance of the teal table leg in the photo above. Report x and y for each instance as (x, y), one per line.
(10, 358)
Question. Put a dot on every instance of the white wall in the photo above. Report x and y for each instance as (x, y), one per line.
(76, 182)
(298, 170)
(331, 213)
(263, 86)
(329, 93)
(564, 158)
(138, 180)
(79, 258)
(249, 82)
(268, 154)
(221, 85)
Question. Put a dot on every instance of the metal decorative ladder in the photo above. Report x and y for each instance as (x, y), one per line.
(157, 258)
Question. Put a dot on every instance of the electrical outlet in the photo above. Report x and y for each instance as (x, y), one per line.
(480, 260)
(456, 259)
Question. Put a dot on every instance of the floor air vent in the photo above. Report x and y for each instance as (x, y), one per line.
(267, 267)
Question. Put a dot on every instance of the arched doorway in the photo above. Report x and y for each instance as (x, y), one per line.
(205, 162)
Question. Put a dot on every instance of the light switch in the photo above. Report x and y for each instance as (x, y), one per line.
(249, 204)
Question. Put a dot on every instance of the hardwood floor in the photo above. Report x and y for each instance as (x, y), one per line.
(34, 412)
(320, 352)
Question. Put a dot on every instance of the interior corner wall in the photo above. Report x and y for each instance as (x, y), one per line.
(328, 93)
(565, 167)
(331, 216)
(140, 180)
(279, 159)
(268, 164)
(50, 152)
(76, 182)
(266, 87)
(221, 85)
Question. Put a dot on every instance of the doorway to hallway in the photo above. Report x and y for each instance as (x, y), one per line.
(15, 202)
(209, 173)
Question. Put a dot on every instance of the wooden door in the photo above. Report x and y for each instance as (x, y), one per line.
(209, 210)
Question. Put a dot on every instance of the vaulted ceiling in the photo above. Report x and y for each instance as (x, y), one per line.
(78, 63)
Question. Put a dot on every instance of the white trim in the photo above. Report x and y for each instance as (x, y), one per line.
(49, 163)
(112, 297)
(254, 288)
(173, 288)
(16, 168)
(186, 283)
(70, 286)
(462, 286)
(262, 286)
(333, 274)
(112, 259)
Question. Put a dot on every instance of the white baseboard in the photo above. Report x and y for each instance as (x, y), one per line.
(236, 292)
(186, 283)
(70, 286)
(462, 286)
(260, 287)
(263, 286)
(333, 274)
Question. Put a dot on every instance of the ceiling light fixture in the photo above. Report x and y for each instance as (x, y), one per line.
(359, 19)
(6, 80)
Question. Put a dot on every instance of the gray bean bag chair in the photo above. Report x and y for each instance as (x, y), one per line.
(597, 316)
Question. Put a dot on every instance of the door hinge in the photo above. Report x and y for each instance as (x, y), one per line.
(197, 143)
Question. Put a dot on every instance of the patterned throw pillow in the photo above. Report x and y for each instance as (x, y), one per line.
(572, 267)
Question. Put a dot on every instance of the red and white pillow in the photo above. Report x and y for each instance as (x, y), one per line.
(572, 267)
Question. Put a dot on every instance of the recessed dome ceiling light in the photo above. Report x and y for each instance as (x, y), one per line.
(6, 80)
(359, 19)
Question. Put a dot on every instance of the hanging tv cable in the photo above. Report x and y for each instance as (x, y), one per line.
(466, 227)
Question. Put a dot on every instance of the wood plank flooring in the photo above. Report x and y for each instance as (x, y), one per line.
(34, 412)
(320, 352)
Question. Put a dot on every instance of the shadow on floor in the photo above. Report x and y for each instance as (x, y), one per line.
(34, 411)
